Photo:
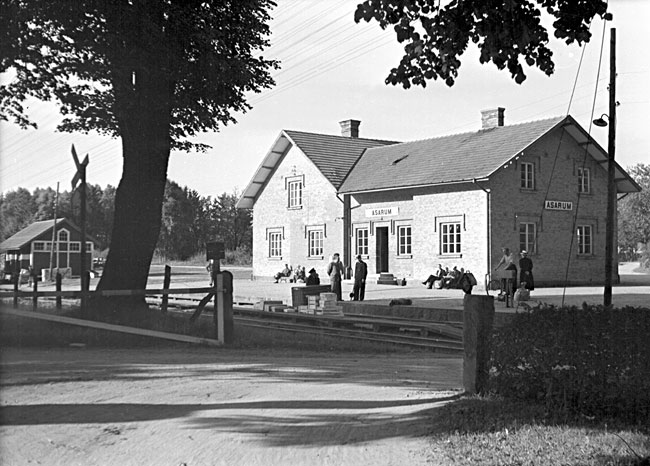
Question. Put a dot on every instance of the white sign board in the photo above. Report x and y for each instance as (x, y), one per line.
(558, 205)
(382, 212)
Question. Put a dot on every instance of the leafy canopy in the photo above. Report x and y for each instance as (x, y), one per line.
(506, 32)
(100, 58)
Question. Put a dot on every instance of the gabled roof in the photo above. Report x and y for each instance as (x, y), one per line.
(334, 156)
(30, 232)
(27, 234)
(463, 157)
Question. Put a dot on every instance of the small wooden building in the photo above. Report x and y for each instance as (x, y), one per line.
(33, 246)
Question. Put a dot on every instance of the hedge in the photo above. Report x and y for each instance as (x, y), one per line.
(593, 360)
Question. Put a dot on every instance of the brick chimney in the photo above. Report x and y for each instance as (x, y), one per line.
(492, 118)
(350, 128)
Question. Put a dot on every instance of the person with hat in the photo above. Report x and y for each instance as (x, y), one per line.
(335, 271)
(360, 274)
(526, 271)
(313, 278)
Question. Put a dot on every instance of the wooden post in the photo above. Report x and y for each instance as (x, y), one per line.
(228, 321)
(16, 278)
(166, 283)
(35, 291)
(478, 317)
(58, 288)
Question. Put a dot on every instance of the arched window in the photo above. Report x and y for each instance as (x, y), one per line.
(63, 235)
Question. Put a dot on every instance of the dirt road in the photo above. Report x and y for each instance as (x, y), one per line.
(78, 406)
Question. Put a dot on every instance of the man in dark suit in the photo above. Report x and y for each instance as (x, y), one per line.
(360, 274)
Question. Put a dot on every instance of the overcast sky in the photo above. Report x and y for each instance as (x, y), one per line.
(333, 69)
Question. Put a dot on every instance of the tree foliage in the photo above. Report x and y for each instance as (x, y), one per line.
(508, 33)
(634, 215)
(154, 73)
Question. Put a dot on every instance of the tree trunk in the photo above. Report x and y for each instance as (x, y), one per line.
(143, 92)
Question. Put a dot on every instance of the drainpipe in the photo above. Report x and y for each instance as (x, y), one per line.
(489, 236)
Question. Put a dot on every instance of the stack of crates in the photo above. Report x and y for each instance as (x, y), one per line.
(328, 305)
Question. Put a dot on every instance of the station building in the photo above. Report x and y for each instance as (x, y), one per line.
(33, 246)
(454, 200)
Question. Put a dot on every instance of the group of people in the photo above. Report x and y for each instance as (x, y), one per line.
(456, 278)
(336, 271)
(526, 280)
(298, 275)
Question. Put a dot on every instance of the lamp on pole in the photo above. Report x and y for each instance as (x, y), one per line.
(611, 173)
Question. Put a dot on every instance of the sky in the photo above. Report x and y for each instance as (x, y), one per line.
(333, 69)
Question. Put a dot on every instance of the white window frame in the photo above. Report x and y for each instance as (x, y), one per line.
(39, 246)
(584, 180)
(525, 240)
(527, 176)
(316, 243)
(295, 194)
(450, 241)
(62, 232)
(585, 235)
(361, 241)
(404, 240)
(275, 244)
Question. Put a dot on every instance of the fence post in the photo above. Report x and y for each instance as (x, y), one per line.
(59, 280)
(478, 317)
(35, 293)
(166, 283)
(16, 279)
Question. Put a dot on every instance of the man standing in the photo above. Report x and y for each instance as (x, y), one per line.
(360, 274)
(335, 272)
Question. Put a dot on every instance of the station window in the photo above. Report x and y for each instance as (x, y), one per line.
(585, 240)
(63, 235)
(39, 246)
(75, 246)
(527, 175)
(527, 237)
(275, 244)
(362, 242)
(450, 238)
(404, 240)
(295, 194)
(316, 243)
(584, 181)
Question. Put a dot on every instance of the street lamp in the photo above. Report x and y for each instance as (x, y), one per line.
(600, 121)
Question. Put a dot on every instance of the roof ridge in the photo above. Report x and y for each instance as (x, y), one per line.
(347, 138)
(559, 117)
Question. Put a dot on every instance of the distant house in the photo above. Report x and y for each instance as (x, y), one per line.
(33, 246)
(453, 200)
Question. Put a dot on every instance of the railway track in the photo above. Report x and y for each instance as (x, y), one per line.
(443, 337)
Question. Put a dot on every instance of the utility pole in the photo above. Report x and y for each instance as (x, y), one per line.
(54, 241)
(610, 248)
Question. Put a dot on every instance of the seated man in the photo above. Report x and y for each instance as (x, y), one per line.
(313, 278)
(437, 275)
(286, 272)
(299, 275)
(451, 280)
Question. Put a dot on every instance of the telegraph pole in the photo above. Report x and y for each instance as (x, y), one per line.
(610, 247)
(80, 178)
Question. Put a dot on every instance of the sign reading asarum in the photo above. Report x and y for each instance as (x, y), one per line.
(382, 212)
(558, 205)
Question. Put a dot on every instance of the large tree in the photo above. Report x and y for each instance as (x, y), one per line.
(506, 32)
(152, 72)
(634, 215)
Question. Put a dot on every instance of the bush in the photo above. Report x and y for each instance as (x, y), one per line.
(593, 361)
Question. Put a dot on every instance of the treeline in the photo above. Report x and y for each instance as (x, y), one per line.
(188, 220)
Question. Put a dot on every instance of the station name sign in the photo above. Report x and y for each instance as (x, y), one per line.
(382, 212)
(558, 205)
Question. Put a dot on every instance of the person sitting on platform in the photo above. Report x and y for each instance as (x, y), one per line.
(299, 275)
(313, 278)
(286, 272)
(437, 275)
(451, 280)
